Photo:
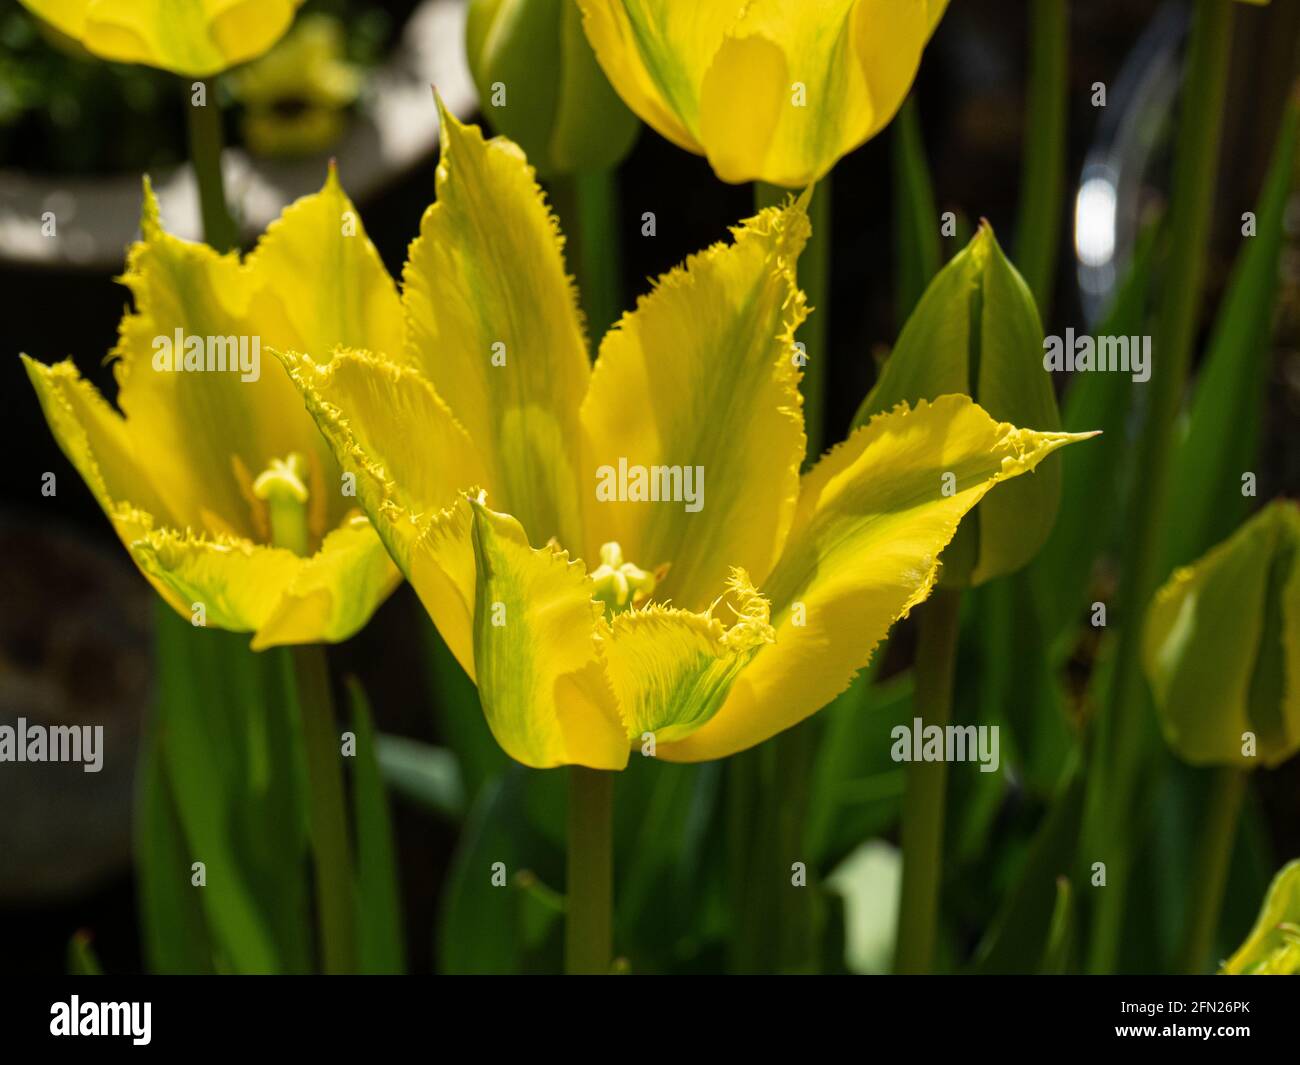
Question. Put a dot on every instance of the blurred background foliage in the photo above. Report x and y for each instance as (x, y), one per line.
(689, 854)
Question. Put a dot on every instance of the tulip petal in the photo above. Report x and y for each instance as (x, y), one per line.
(411, 461)
(672, 669)
(237, 582)
(319, 282)
(95, 439)
(775, 90)
(1273, 946)
(493, 324)
(702, 376)
(655, 53)
(196, 38)
(334, 592)
(540, 677)
(1221, 646)
(863, 550)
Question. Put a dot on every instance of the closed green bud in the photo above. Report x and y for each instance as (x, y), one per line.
(1221, 647)
(1273, 946)
(976, 331)
(541, 86)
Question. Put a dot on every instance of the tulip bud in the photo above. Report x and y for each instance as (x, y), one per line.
(1273, 946)
(976, 331)
(1221, 647)
(541, 86)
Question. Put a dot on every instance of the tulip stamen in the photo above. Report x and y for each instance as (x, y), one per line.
(620, 585)
(283, 486)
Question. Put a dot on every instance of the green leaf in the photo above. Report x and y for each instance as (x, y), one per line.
(1042, 177)
(1018, 939)
(916, 232)
(175, 931)
(1220, 439)
(1060, 933)
(662, 813)
(1061, 575)
(1018, 684)
(230, 746)
(487, 922)
(427, 775)
(857, 788)
(379, 905)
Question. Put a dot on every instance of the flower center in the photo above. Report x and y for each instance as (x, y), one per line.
(620, 585)
(283, 484)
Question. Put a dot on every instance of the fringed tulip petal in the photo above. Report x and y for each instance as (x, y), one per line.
(873, 517)
(696, 395)
(541, 680)
(494, 325)
(411, 461)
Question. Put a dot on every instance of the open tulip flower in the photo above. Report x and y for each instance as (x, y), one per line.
(771, 90)
(215, 478)
(193, 38)
(724, 597)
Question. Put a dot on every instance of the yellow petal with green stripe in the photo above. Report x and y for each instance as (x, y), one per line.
(319, 283)
(702, 378)
(672, 669)
(872, 519)
(235, 581)
(333, 592)
(655, 53)
(788, 92)
(195, 38)
(411, 461)
(493, 324)
(205, 432)
(772, 90)
(542, 683)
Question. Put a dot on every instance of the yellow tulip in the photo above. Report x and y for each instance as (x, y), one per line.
(216, 479)
(193, 38)
(771, 90)
(492, 457)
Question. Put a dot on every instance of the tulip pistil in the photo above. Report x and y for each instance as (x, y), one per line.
(620, 585)
(283, 486)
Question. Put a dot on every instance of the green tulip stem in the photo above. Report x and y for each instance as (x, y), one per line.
(588, 206)
(1042, 176)
(1218, 835)
(282, 486)
(926, 786)
(588, 931)
(327, 813)
(205, 138)
(1124, 729)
